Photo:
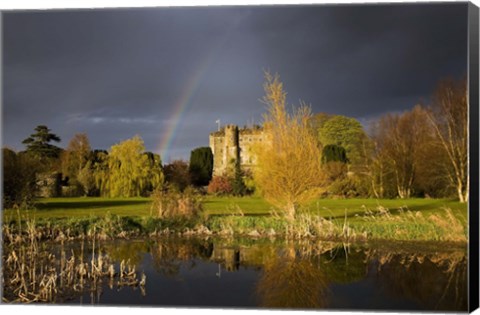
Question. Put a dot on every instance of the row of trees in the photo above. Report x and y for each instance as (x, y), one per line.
(418, 153)
(421, 152)
(125, 170)
(424, 151)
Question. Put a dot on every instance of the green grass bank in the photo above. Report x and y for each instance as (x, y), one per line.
(355, 219)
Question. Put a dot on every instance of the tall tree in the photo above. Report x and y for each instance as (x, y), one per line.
(378, 171)
(86, 178)
(402, 140)
(345, 132)
(238, 185)
(76, 156)
(201, 166)
(130, 170)
(99, 167)
(19, 171)
(39, 143)
(155, 172)
(288, 170)
(449, 116)
(176, 174)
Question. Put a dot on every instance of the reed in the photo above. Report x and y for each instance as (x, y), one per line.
(413, 225)
(34, 274)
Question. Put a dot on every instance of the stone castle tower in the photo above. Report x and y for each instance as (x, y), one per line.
(231, 143)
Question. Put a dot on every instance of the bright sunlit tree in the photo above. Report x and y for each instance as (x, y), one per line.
(289, 171)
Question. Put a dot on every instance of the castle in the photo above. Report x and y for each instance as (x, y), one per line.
(231, 143)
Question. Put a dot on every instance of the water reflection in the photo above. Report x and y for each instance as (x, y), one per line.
(436, 281)
(285, 274)
(288, 281)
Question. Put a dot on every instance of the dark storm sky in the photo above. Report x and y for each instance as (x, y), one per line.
(167, 74)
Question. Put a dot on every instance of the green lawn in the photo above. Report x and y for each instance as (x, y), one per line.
(253, 214)
(328, 208)
(83, 207)
(335, 208)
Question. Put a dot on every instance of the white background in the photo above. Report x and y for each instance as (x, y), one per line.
(94, 310)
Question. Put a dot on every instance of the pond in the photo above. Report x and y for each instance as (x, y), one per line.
(286, 274)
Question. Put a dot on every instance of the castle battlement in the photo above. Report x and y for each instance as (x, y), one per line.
(231, 143)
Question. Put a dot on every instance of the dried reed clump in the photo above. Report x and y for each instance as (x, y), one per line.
(169, 202)
(33, 274)
(451, 227)
(309, 225)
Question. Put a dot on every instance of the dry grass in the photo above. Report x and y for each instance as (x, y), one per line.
(33, 274)
(171, 203)
(413, 225)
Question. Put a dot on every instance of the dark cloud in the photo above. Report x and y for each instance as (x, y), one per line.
(117, 73)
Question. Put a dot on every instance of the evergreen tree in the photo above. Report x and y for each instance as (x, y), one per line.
(39, 143)
(238, 185)
(201, 166)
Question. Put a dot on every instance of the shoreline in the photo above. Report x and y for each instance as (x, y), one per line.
(126, 228)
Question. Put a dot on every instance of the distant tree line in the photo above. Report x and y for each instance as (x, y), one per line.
(125, 171)
(422, 152)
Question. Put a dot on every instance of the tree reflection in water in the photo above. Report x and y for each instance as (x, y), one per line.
(168, 254)
(288, 281)
(437, 281)
(308, 274)
(300, 275)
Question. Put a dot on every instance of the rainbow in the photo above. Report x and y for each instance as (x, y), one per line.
(183, 104)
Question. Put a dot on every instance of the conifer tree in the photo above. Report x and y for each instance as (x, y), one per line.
(39, 143)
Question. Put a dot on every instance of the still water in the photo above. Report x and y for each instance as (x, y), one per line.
(286, 274)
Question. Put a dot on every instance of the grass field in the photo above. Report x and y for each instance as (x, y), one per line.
(86, 206)
(327, 208)
(335, 208)
(409, 219)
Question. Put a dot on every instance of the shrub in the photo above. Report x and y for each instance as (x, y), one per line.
(220, 185)
(176, 174)
(169, 202)
(19, 175)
